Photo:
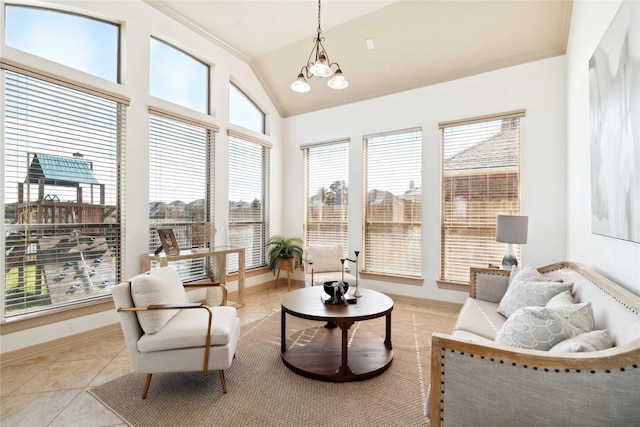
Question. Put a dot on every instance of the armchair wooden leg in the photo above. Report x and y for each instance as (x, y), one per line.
(146, 386)
(224, 384)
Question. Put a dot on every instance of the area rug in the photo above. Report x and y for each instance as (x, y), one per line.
(262, 391)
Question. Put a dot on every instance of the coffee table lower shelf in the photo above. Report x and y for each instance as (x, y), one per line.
(321, 359)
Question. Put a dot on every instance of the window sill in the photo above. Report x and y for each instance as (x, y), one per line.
(454, 286)
(29, 321)
(403, 280)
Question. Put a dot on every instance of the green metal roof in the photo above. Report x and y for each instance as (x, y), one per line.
(61, 171)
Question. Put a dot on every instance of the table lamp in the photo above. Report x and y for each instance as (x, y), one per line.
(511, 229)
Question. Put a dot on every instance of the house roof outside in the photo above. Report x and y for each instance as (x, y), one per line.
(61, 171)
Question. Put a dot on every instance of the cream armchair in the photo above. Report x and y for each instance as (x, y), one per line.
(323, 264)
(166, 333)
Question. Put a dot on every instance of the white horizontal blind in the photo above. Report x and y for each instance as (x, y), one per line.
(326, 194)
(393, 203)
(248, 199)
(181, 186)
(480, 179)
(63, 170)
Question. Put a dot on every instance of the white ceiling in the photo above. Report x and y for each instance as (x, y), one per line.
(417, 43)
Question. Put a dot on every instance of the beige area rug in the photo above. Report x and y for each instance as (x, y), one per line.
(262, 391)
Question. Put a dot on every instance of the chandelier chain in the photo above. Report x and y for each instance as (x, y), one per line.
(319, 28)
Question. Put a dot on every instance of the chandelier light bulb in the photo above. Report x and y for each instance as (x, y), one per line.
(320, 68)
(300, 85)
(338, 81)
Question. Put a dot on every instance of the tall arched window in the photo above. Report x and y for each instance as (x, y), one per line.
(244, 112)
(80, 42)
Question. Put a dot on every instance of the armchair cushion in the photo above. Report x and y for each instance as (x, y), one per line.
(325, 257)
(161, 286)
(188, 328)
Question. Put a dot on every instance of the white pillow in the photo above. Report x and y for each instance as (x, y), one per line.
(589, 341)
(529, 293)
(162, 286)
(325, 257)
(563, 298)
(528, 272)
(541, 328)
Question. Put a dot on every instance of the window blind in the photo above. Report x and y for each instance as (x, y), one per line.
(181, 186)
(326, 194)
(248, 199)
(63, 174)
(480, 179)
(393, 203)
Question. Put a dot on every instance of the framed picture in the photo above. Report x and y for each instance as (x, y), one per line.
(168, 240)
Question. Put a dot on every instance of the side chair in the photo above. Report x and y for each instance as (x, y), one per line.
(166, 333)
(325, 263)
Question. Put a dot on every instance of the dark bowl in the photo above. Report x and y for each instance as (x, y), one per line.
(329, 288)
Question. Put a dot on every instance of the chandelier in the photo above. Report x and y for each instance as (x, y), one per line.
(318, 64)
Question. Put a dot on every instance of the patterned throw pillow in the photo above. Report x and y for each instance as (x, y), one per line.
(521, 294)
(589, 341)
(541, 328)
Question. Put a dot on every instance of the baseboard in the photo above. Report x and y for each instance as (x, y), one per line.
(426, 302)
(45, 347)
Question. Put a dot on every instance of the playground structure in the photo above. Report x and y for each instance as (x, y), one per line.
(54, 240)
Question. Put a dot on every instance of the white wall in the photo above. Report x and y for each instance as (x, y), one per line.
(538, 87)
(140, 21)
(616, 259)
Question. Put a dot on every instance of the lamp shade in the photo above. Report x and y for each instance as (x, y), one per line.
(512, 229)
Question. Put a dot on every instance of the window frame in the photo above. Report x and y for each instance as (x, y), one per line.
(258, 251)
(249, 103)
(487, 245)
(189, 233)
(118, 59)
(341, 220)
(413, 271)
(207, 92)
(92, 304)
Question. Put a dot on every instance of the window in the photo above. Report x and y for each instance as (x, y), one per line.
(177, 77)
(63, 174)
(181, 184)
(76, 41)
(326, 186)
(480, 179)
(244, 112)
(248, 197)
(393, 203)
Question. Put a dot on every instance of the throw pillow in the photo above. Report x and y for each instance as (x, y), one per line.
(563, 298)
(162, 286)
(529, 293)
(541, 328)
(528, 273)
(589, 341)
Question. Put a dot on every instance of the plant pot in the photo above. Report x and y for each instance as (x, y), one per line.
(286, 264)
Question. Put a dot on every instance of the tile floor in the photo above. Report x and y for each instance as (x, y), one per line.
(51, 389)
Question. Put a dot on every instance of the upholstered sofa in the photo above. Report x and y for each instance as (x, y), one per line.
(478, 380)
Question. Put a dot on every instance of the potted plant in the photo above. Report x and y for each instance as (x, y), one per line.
(284, 253)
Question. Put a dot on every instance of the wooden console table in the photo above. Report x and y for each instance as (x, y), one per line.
(221, 262)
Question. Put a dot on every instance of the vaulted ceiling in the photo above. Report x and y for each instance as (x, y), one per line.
(415, 43)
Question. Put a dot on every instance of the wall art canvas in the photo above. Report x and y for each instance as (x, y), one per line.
(614, 104)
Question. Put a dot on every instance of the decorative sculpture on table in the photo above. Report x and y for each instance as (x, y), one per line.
(337, 290)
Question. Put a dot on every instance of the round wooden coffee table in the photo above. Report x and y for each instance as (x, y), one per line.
(330, 354)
